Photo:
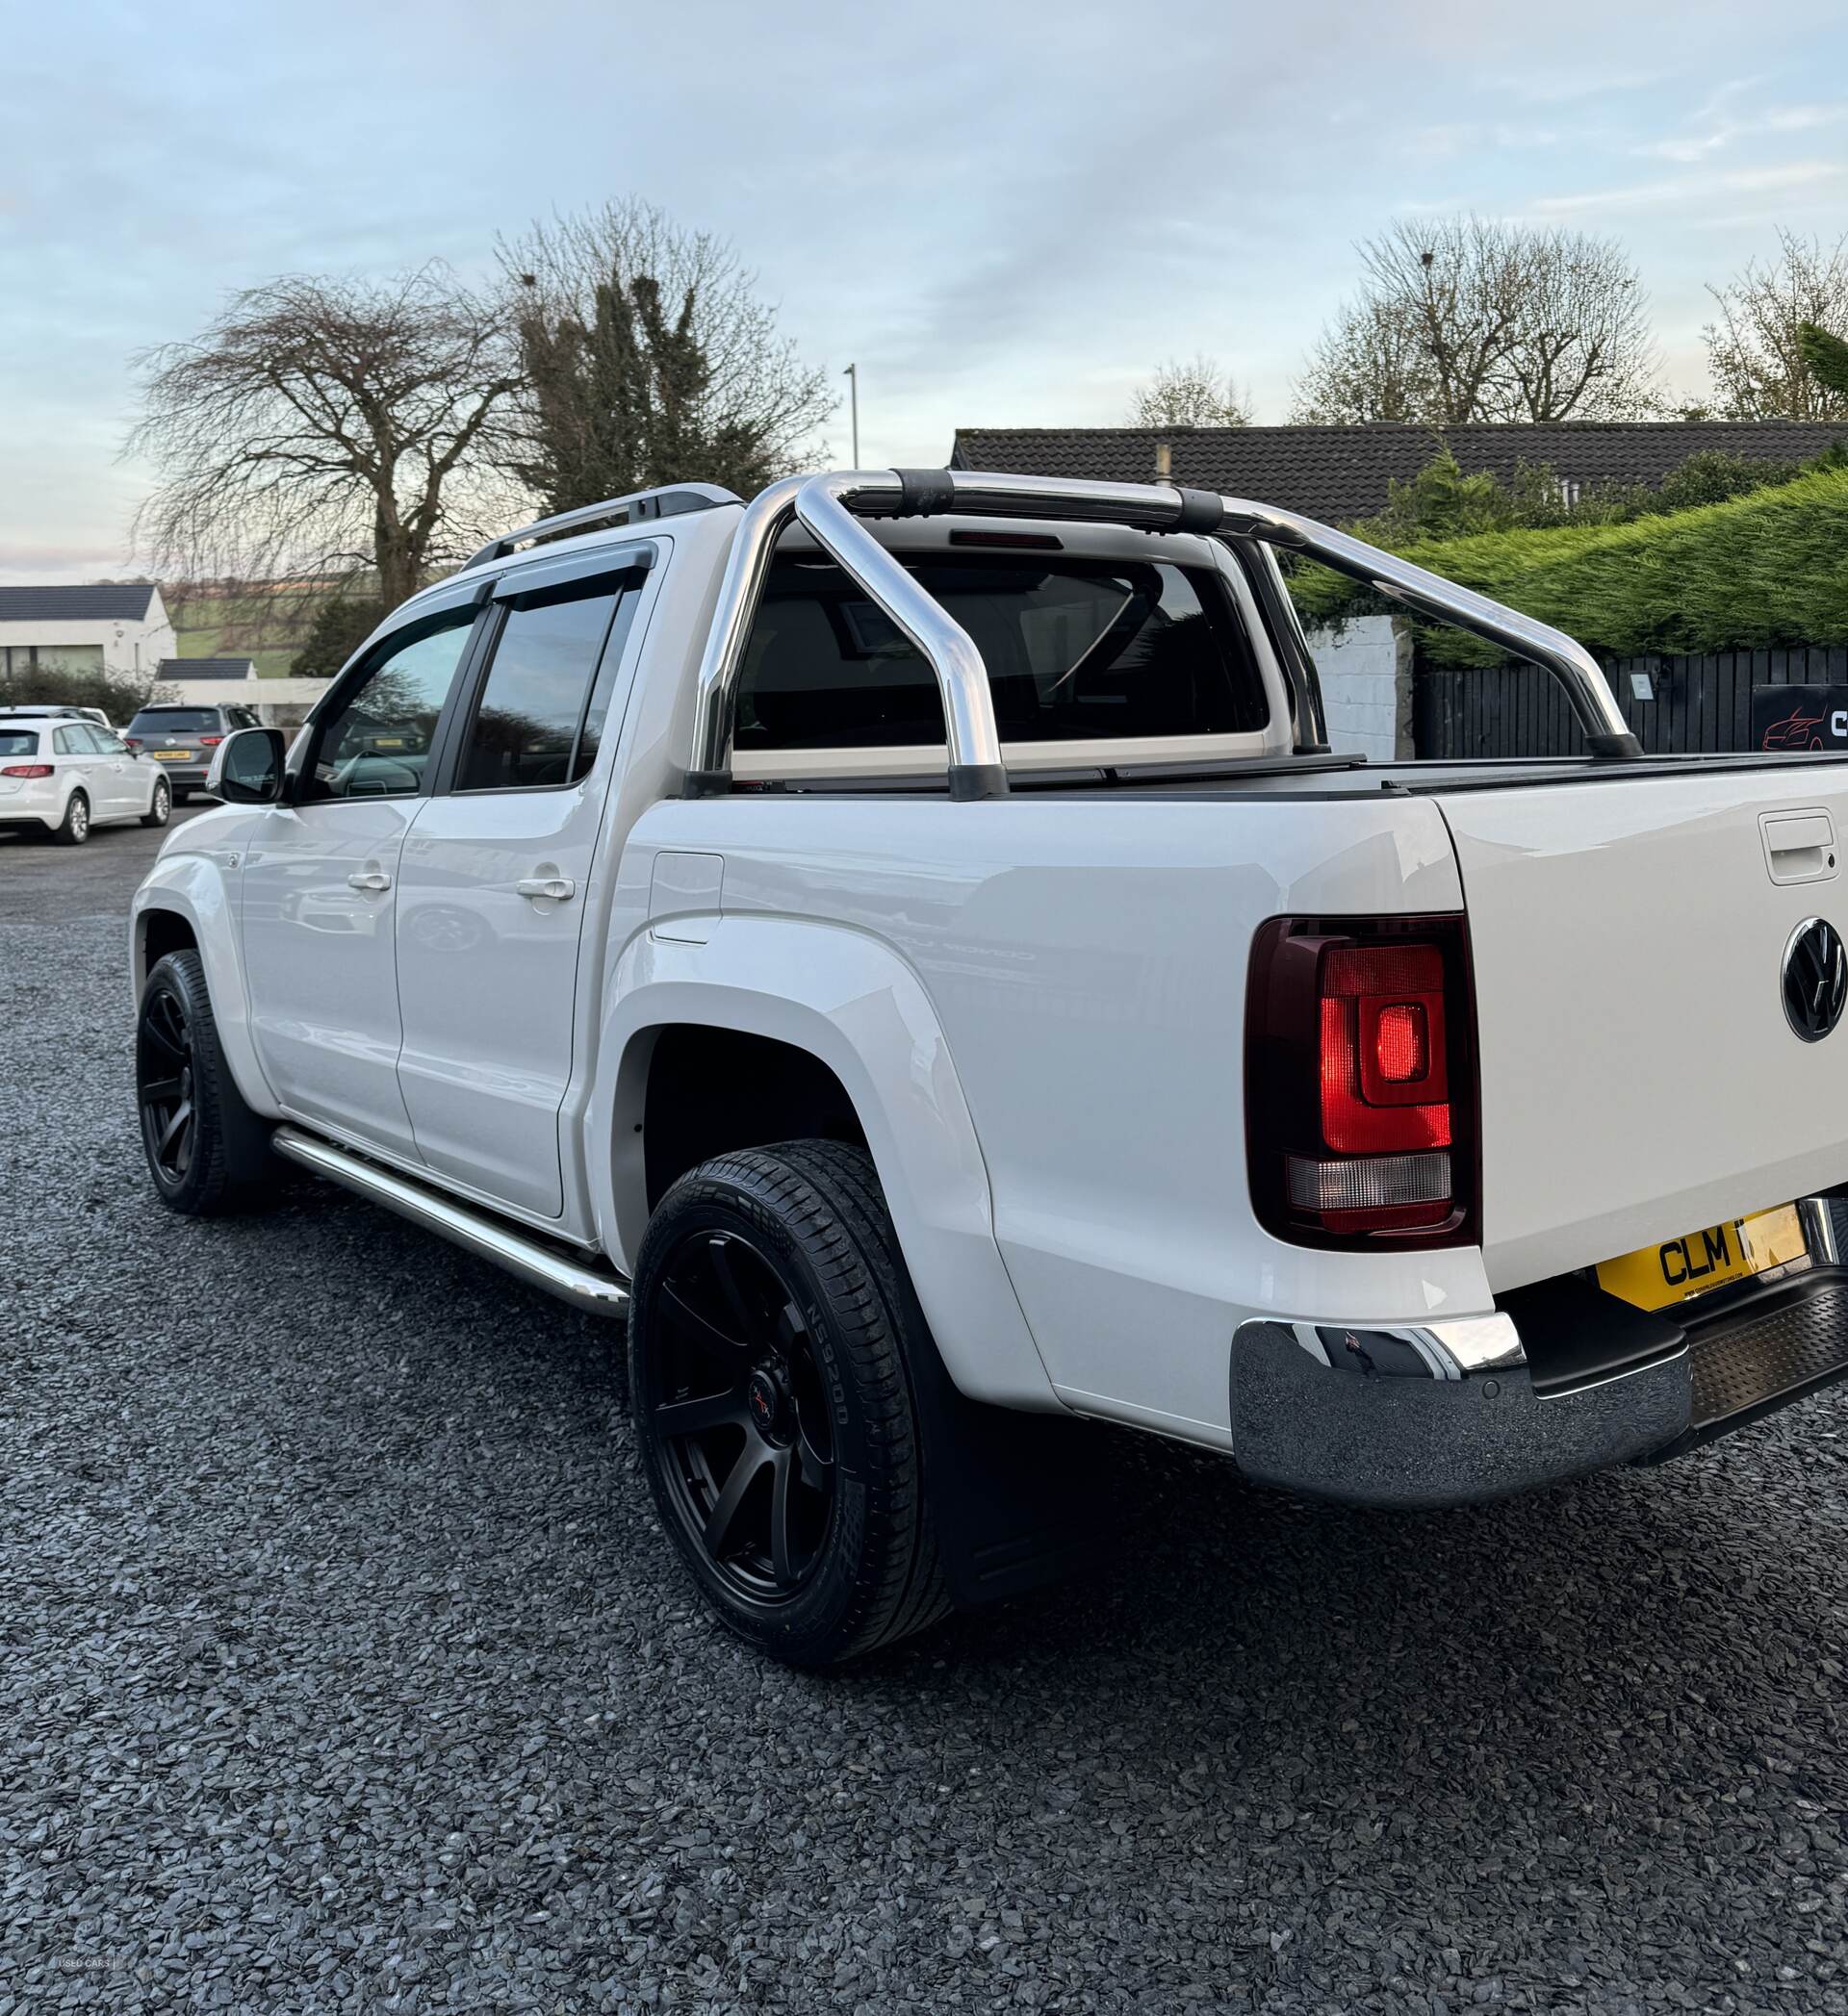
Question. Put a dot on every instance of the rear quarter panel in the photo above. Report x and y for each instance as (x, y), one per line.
(1086, 961)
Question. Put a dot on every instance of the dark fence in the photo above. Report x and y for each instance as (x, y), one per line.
(1697, 702)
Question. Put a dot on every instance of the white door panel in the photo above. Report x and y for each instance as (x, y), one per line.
(320, 962)
(495, 885)
(487, 978)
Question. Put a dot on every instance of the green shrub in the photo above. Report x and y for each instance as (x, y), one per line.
(1762, 570)
(119, 694)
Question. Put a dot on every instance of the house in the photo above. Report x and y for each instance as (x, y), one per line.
(1341, 473)
(119, 626)
(177, 671)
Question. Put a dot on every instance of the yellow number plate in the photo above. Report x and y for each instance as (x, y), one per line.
(1655, 1276)
(172, 756)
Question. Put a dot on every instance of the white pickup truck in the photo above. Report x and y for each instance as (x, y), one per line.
(905, 945)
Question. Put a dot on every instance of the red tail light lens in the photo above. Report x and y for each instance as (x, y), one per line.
(26, 770)
(1360, 1082)
(210, 741)
(134, 742)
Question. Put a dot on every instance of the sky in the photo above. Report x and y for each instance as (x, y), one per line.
(1005, 214)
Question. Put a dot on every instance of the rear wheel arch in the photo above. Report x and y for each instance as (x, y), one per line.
(855, 1028)
(711, 1089)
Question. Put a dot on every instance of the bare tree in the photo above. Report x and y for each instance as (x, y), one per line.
(321, 426)
(1197, 394)
(650, 357)
(1756, 352)
(1463, 318)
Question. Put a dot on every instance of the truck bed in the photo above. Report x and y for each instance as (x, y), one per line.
(1308, 779)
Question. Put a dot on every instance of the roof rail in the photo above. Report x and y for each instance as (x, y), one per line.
(668, 502)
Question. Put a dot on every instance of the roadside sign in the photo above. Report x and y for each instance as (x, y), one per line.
(1800, 717)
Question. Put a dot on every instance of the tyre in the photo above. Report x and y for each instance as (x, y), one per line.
(770, 1335)
(73, 829)
(161, 807)
(208, 1153)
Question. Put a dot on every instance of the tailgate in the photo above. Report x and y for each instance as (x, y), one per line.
(1640, 1078)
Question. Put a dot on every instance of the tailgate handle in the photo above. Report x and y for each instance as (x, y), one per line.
(1799, 846)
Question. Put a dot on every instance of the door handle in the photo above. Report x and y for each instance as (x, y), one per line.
(373, 880)
(560, 889)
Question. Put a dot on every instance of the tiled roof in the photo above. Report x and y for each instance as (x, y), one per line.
(205, 668)
(88, 601)
(1341, 473)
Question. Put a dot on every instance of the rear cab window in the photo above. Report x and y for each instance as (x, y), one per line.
(1078, 650)
(19, 742)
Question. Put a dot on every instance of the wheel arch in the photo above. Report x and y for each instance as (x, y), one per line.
(852, 1008)
(183, 902)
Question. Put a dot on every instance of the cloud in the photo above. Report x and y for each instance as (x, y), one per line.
(1721, 132)
(1447, 143)
(1689, 189)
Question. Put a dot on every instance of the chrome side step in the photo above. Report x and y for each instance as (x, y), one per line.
(601, 1294)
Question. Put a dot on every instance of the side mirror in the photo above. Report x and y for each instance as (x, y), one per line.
(246, 767)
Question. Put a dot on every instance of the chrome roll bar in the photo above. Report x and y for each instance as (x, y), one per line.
(829, 507)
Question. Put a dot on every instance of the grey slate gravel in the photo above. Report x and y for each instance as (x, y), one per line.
(344, 1669)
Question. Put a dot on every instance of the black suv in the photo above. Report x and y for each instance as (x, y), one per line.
(181, 739)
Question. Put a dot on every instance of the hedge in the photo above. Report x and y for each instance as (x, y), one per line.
(1764, 570)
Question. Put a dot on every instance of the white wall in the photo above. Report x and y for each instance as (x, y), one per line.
(268, 695)
(120, 638)
(1366, 686)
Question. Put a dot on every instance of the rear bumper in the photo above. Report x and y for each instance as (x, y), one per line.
(1560, 1382)
(189, 776)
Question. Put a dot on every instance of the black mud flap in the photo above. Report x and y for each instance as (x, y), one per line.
(1014, 1497)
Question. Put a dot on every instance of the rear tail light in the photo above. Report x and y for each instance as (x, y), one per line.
(1360, 1080)
(26, 770)
(210, 741)
(134, 742)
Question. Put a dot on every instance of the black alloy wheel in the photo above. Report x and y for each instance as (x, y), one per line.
(773, 1337)
(207, 1152)
(166, 1087)
(742, 1420)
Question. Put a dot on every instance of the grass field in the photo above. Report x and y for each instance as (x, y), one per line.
(268, 625)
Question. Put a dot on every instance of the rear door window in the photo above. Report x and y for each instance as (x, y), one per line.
(1076, 650)
(529, 729)
(19, 742)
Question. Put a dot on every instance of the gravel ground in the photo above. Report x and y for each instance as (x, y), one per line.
(344, 1668)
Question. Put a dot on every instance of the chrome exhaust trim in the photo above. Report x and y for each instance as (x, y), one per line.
(600, 1294)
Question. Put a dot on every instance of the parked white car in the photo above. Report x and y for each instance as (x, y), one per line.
(63, 775)
(907, 946)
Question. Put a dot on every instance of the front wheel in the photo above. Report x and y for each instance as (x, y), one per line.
(160, 807)
(73, 829)
(207, 1152)
(768, 1345)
